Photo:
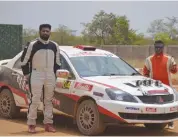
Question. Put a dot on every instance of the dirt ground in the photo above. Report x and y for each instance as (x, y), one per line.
(65, 127)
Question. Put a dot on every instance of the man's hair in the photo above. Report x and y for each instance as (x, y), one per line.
(159, 42)
(44, 26)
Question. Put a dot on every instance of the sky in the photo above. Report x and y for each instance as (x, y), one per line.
(71, 13)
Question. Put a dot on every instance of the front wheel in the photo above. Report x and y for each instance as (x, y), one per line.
(8, 108)
(88, 119)
(156, 126)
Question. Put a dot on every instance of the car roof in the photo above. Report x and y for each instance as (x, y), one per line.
(69, 50)
(73, 51)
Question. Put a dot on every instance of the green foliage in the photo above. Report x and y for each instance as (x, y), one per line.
(110, 29)
(163, 36)
(121, 32)
(10, 40)
(166, 38)
(29, 34)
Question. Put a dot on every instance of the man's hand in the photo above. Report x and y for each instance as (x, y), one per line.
(173, 66)
(27, 77)
(173, 69)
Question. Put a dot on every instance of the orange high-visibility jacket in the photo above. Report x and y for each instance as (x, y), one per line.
(160, 67)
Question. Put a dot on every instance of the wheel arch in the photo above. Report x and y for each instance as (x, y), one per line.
(6, 87)
(80, 101)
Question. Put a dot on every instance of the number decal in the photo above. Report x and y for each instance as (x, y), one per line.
(66, 84)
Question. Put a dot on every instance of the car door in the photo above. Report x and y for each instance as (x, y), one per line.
(62, 98)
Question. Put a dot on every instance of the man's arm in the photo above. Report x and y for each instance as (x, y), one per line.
(25, 58)
(146, 71)
(173, 66)
(57, 64)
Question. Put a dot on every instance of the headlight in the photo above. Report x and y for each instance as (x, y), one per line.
(120, 95)
(176, 93)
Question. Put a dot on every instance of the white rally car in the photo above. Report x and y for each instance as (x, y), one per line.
(97, 89)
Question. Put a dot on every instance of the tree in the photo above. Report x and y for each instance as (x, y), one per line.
(157, 26)
(171, 25)
(121, 32)
(29, 34)
(163, 36)
(168, 27)
(100, 28)
(109, 29)
(64, 36)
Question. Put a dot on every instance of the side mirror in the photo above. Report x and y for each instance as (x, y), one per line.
(62, 73)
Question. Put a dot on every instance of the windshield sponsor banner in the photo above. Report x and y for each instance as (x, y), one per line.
(92, 54)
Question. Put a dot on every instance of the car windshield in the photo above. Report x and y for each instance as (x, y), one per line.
(87, 66)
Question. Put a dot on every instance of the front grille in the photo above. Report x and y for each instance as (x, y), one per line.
(149, 116)
(157, 99)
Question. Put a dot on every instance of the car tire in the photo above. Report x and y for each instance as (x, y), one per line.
(88, 119)
(156, 126)
(8, 108)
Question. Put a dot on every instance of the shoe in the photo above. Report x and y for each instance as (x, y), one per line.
(50, 128)
(171, 127)
(31, 129)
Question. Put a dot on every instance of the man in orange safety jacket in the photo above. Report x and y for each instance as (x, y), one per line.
(159, 66)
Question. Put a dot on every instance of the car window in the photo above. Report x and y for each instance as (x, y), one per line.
(17, 64)
(65, 65)
(88, 66)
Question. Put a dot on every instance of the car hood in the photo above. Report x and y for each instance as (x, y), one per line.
(128, 84)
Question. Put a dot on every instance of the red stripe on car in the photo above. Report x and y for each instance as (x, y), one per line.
(16, 91)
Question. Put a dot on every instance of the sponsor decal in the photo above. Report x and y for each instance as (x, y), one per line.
(59, 84)
(87, 54)
(98, 94)
(93, 54)
(83, 86)
(108, 54)
(63, 74)
(132, 108)
(158, 92)
(64, 84)
(159, 99)
(174, 108)
(56, 102)
(151, 109)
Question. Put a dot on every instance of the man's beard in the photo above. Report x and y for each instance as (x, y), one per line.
(159, 51)
(44, 37)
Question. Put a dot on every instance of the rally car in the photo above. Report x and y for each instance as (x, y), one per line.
(96, 88)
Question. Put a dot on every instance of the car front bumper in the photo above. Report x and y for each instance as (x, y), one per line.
(126, 112)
